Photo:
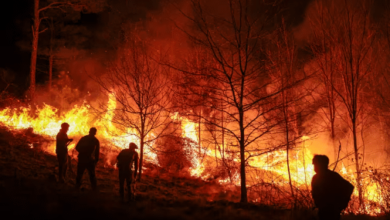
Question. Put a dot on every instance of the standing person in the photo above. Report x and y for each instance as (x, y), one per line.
(62, 142)
(331, 193)
(126, 159)
(88, 148)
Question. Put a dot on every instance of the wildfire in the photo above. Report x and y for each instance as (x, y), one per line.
(46, 121)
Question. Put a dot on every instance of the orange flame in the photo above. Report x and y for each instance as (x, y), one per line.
(46, 121)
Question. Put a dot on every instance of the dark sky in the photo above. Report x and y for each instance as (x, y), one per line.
(15, 25)
(14, 16)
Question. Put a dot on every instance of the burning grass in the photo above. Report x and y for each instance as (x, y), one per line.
(29, 189)
(267, 174)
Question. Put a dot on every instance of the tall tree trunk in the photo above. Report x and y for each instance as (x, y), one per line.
(34, 49)
(51, 55)
(332, 116)
(333, 136)
(287, 146)
(50, 70)
(244, 196)
(199, 140)
(223, 137)
(358, 174)
(141, 150)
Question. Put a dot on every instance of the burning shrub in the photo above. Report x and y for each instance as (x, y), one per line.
(175, 154)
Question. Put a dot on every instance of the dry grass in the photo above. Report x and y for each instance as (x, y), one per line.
(28, 188)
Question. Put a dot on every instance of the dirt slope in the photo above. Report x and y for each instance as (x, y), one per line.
(29, 188)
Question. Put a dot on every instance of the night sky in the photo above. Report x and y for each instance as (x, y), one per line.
(12, 20)
(289, 96)
(15, 26)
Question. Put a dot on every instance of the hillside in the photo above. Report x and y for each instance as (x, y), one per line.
(28, 188)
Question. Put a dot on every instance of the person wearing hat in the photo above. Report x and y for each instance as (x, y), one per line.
(126, 159)
(62, 142)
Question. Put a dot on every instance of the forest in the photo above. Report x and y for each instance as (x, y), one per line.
(235, 94)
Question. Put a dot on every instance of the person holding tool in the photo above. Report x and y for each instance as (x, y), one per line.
(62, 142)
(126, 159)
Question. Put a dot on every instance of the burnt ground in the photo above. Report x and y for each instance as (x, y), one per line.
(29, 188)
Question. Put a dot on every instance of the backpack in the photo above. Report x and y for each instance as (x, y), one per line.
(346, 192)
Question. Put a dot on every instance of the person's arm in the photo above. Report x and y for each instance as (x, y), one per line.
(97, 150)
(135, 165)
(67, 140)
(62, 140)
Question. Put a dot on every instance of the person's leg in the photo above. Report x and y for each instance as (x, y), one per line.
(328, 214)
(92, 176)
(132, 185)
(61, 167)
(121, 185)
(322, 215)
(65, 166)
(128, 184)
(80, 172)
(335, 215)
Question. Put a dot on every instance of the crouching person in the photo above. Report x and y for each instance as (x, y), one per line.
(126, 159)
(88, 148)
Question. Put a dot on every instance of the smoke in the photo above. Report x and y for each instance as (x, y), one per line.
(372, 134)
(156, 22)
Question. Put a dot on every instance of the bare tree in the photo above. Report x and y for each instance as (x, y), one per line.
(236, 78)
(326, 54)
(350, 36)
(288, 78)
(78, 5)
(382, 85)
(141, 88)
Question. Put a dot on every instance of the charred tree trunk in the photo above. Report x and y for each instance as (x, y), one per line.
(244, 197)
(142, 143)
(332, 114)
(223, 138)
(285, 114)
(200, 121)
(51, 55)
(358, 174)
(141, 159)
(34, 49)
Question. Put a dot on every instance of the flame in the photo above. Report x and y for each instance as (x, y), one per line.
(46, 121)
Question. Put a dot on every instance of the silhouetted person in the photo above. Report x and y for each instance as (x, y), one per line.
(88, 148)
(62, 142)
(126, 159)
(331, 192)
